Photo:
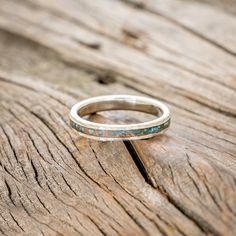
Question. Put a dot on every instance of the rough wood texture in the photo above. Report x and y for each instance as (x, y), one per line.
(56, 52)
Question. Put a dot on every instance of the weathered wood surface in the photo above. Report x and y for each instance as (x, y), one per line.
(54, 53)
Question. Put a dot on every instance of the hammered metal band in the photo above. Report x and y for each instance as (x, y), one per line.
(110, 132)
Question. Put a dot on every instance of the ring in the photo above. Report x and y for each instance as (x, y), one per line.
(111, 132)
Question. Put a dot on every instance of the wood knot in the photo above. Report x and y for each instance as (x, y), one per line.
(138, 4)
(106, 78)
(90, 44)
(133, 38)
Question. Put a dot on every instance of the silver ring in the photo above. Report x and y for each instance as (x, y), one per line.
(110, 132)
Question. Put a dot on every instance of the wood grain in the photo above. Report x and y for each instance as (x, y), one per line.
(55, 183)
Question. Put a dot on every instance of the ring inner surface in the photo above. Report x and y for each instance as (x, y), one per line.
(119, 105)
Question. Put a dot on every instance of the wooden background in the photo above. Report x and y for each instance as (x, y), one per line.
(56, 52)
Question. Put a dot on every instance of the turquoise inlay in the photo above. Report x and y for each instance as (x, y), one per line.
(122, 132)
(152, 129)
(100, 133)
(111, 132)
(145, 130)
(81, 129)
(74, 125)
(91, 131)
(117, 132)
(137, 131)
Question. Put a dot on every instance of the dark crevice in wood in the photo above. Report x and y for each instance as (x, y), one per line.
(7, 80)
(217, 109)
(162, 99)
(9, 191)
(160, 229)
(212, 197)
(204, 226)
(14, 151)
(17, 223)
(92, 45)
(134, 36)
(144, 205)
(180, 230)
(114, 229)
(130, 34)
(174, 64)
(194, 183)
(93, 222)
(104, 213)
(104, 81)
(131, 216)
(70, 187)
(10, 143)
(207, 133)
(8, 172)
(63, 222)
(105, 78)
(133, 196)
(182, 26)
(58, 184)
(80, 223)
(178, 105)
(42, 232)
(191, 71)
(31, 202)
(139, 4)
(3, 233)
(137, 160)
(74, 208)
(215, 149)
(196, 219)
(171, 174)
(36, 148)
(38, 221)
(97, 225)
(51, 191)
(35, 173)
(5, 220)
(45, 122)
(43, 204)
(64, 145)
(45, 142)
(95, 155)
(24, 207)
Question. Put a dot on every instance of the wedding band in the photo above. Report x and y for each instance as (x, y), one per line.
(110, 132)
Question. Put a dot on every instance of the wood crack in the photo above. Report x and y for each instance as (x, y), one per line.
(131, 216)
(9, 192)
(196, 219)
(182, 26)
(16, 221)
(97, 46)
(69, 185)
(43, 204)
(137, 161)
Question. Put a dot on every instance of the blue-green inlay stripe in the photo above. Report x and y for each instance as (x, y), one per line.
(112, 133)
